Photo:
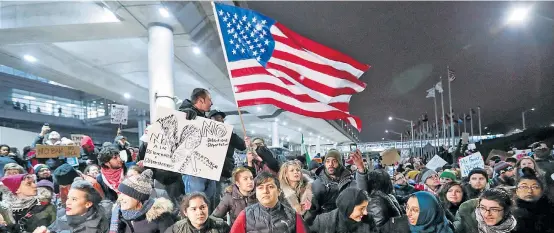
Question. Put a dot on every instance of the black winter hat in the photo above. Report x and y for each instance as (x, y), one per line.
(477, 171)
(65, 174)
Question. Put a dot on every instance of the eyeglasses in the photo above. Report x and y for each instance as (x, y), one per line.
(413, 210)
(527, 188)
(493, 210)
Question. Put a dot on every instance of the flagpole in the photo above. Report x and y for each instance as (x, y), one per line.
(436, 136)
(443, 118)
(228, 71)
(479, 115)
(450, 102)
(465, 130)
(471, 119)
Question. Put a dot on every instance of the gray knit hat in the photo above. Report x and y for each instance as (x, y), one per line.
(426, 173)
(138, 187)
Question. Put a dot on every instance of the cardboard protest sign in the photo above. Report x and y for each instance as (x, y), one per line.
(500, 153)
(194, 147)
(390, 156)
(520, 153)
(47, 151)
(470, 162)
(435, 162)
(77, 138)
(119, 114)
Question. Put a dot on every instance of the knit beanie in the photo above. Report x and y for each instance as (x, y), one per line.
(478, 171)
(13, 182)
(138, 187)
(412, 174)
(65, 174)
(502, 167)
(448, 174)
(46, 184)
(334, 154)
(39, 166)
(425, 173)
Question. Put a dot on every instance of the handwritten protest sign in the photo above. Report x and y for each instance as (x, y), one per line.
(521, 153)
(119, 114)
(470, 162)
(47, 151)
(77, 138)
(390, 156)
(435, 162)
(194, 147)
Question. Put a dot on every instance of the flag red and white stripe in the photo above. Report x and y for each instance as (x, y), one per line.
(302, 77)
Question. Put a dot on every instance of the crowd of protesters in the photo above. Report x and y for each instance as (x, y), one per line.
(109, 190)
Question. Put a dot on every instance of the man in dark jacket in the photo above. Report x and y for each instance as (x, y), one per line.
(235, 143)
(402, 190)
(112, 172)
(332, 178)
(199, 104)
(543, 157)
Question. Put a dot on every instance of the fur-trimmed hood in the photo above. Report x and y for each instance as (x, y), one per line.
(306, 180)
(301, 197)
(161, 206)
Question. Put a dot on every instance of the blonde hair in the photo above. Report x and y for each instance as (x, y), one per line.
(283, 174)
(537, 169)
(236, 172)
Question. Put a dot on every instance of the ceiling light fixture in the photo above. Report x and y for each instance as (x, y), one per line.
(29, 97)
(30, 58)
(196, 50)
(127, 96)
(163, 12)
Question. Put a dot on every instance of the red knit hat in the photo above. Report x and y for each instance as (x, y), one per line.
(13, 182)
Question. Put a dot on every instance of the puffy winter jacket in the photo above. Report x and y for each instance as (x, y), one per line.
(326, 190)
(403, 192)
(330, 223)
(259, 219)
(212, 225)
(233, 202)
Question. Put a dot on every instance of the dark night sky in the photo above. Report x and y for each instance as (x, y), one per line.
(409, 44)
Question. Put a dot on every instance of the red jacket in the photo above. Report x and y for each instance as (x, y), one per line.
(239, 226)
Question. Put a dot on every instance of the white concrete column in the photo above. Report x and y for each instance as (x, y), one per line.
(160, 67)
(318, 146)
(275, 134)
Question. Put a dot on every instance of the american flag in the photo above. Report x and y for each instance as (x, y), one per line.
(270, 64)
(451, 76)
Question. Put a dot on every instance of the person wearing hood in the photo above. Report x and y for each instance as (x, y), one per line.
(238, 195)
(350, 215)
(195, 209)
(533, 210)
(297, 187)
(332, 178)
(504, 175)
(89, 152)
(476, 183)
(82, 213)
(20, 201)
(426, 215)
(136, 211)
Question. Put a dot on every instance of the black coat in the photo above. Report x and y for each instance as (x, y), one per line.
(326, 190)
(331, 223)
(235, 143)
(403, 192)
(534, 216)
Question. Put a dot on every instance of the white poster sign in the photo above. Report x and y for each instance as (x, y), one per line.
(77, 138)
(119, 114)
(193, 147)
(435, 162)
(470, 162)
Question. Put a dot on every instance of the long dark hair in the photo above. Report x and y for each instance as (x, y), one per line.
(380, 181)
(444, 191)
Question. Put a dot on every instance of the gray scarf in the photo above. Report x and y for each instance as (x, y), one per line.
(506, 226)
